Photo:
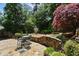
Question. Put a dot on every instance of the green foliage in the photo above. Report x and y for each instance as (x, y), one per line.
(49, 50)
(14, 18)
(62, 37)
(30, 23)
(47, 31)
(69, 47)
(77, 50)
(18, 35)
(1, 18)
(57, 54)
(43, 17)
(29, 27)
(20, 19)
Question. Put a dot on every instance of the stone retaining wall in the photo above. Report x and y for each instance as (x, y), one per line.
(48, 41)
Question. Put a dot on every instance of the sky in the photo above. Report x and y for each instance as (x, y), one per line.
(2, 5)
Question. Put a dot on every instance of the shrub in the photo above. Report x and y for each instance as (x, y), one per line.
(29, 27)
(69, 47)
(77, 50)
(48, 51)
(18, 35)
(57, 54)
(46, 31)
(62, 38)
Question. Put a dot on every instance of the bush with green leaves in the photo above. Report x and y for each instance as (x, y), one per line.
(47, 31)
(57, 54)
(69, 47)
(48, 51)
(17, 35)
(77, 50)
(62, 37)
(29, 27)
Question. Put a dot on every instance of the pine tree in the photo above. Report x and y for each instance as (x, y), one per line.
(14, 17)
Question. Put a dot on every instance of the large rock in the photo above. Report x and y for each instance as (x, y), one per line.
(47, 40)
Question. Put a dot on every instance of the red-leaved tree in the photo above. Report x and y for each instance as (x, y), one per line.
(66, 18)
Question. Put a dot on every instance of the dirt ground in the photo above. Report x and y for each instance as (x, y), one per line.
(8, 48)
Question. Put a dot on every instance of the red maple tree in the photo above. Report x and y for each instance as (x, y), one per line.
(66, 18)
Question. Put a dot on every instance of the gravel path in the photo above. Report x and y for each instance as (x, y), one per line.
(7, 48)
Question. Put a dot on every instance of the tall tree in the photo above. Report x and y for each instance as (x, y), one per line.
(43, 17)
(35, 7)
(1, 18)
(15, 19)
